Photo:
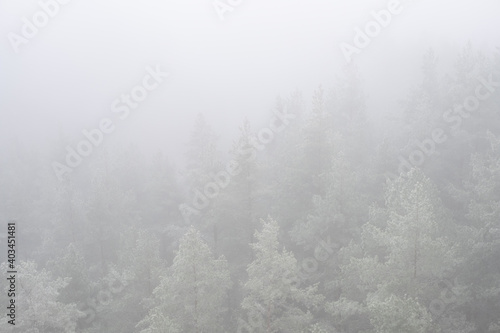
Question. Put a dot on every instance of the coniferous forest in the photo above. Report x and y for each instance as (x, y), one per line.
(318, 222)
(346, 208)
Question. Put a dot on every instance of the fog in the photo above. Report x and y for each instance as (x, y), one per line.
(113, 85)
(66, 77)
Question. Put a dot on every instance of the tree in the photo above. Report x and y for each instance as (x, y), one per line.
(479, 236)
(236, 209)
(337, 207)
(202, 164)
(38, 299)
(274, 301)
(158, 321)
(123, 296)
(298, 164)
(202, 156)
(193, 294)
(346, 107)
(109, 209)
(468, 124)
(392, 314)
(72, 265)
(161, 195)
(404, 251)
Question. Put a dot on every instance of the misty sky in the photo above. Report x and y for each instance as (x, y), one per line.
(91, 52)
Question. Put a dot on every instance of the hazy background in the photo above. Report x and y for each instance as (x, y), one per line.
(66, 77)
(128, 217)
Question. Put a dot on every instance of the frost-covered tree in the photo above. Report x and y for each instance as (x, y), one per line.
(109, 210)
(72, 265)
(337, 208)
(392, 314)
(236, 208)
(202, 153)
(39, 309)
(123, 296)
(192, 296)
(161, 195)
(275, 301)
(479, 236)
(404, 252)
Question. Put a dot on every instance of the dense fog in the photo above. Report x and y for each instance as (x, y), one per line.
(214, 166)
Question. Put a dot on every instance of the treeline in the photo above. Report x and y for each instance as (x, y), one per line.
(317, 222)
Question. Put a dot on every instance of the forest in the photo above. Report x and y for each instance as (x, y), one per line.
(317, 220)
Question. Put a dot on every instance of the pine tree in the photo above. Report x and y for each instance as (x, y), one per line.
(37, 303)
(479, 237)
(337, 207)
(108, 210)
(392, 314)
(72, 265)
(405, 250)
(69, 213)
(202, 153)
(193, 294)
(123, 296)
(161, 195)
(236, 208)
(300, 162)
(202, 164)
(274, 302)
